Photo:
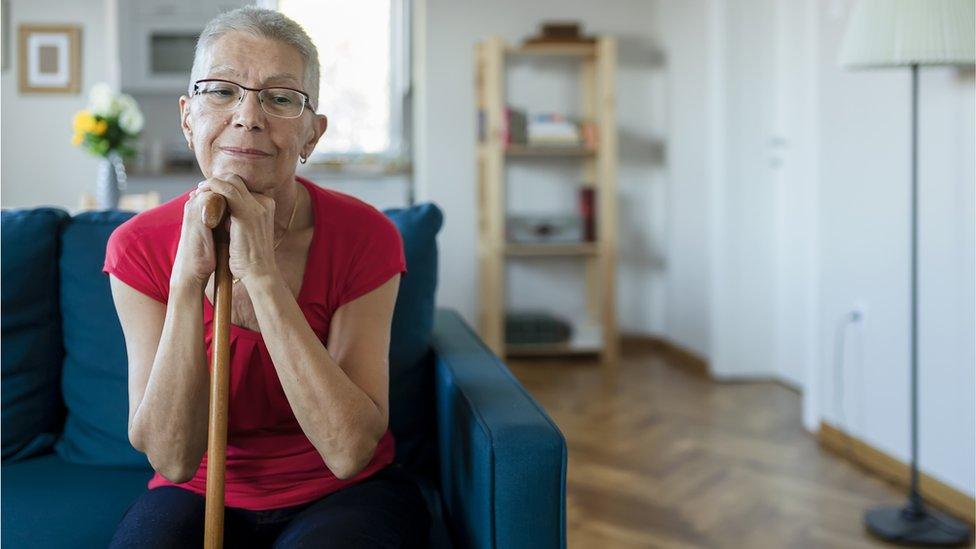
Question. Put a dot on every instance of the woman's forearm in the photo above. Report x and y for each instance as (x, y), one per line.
(170, 423)
(339, 418)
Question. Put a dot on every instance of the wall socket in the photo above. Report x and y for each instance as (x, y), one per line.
(859, 310)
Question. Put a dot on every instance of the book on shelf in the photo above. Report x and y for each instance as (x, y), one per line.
(587, 211)
(515, 129)
(548, 129)
(541, 129)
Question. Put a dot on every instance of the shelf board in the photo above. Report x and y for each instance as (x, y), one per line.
(555, 49)
(573, 248)
(547, 349)
(552, 150)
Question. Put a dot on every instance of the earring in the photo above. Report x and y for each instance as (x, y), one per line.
(303, 159)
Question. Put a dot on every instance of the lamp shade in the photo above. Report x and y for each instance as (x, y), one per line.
(884, 33)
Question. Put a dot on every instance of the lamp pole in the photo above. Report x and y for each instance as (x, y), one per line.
(915, 504)
(913, 523)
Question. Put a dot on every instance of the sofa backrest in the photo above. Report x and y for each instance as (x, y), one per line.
(94, 379)
(33, 412)
(59, 320)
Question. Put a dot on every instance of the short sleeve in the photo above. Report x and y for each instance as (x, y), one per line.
(127, 259)
(379, 255)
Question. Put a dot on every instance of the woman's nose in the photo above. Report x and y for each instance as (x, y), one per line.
(249, 113)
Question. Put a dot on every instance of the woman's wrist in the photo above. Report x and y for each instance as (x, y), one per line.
(177, 283)
(261, 277)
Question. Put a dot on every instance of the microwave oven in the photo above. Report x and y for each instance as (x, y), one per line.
(158, 39)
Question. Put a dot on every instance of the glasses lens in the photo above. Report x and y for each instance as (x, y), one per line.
(219, 95)
(282, 102)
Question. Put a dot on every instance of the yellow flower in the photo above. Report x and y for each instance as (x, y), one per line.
(77, 139)
(100, 127)
(83, 121)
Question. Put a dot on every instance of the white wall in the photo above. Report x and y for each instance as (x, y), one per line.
(39, 166)
(661, 105)
(804, 231)
(864, 252)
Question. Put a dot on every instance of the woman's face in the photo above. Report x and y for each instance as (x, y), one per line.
(218, 137)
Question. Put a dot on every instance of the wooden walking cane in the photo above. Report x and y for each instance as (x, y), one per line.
(215, 212)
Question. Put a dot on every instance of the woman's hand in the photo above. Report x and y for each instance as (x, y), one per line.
(196, 257)
(251, 226)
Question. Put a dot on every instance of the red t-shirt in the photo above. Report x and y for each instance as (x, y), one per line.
(270, 462)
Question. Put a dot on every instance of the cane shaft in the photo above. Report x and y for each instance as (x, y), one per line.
(219, 387)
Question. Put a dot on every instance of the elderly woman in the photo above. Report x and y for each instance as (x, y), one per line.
(316, 274)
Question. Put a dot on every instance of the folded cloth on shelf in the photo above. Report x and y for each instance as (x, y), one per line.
(533, 327)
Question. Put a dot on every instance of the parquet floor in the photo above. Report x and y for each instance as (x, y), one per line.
(665, 457)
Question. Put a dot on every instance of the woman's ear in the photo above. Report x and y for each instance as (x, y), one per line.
(185, 122)
(319, 125)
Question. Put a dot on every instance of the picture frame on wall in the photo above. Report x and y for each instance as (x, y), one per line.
(49, 58)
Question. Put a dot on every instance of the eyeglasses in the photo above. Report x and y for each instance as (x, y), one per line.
(224, 95)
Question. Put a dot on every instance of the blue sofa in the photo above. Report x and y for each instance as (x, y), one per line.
(491, 463)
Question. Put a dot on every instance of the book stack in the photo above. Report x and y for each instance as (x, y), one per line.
(551, 129)
(547, 129)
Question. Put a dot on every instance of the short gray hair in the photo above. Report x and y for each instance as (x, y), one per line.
(265, 23)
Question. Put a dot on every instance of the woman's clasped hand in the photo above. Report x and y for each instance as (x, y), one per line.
(251, 227)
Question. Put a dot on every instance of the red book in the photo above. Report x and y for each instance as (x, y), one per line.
(587, 207)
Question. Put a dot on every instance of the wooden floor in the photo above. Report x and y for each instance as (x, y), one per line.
(665, 457)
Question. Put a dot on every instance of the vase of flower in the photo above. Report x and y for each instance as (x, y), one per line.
(105, 129)
(111, 182)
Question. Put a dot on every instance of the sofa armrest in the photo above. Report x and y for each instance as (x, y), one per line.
(502, 459)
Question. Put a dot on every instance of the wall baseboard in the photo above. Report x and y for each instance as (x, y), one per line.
(692, 362)
(679, 355)
(935, 492)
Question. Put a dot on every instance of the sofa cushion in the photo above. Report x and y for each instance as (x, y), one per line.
(411, 370)
(413, 319)
(33, 411)
(50, 503)
(95, 377)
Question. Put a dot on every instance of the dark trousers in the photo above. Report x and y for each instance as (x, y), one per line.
(385, 510)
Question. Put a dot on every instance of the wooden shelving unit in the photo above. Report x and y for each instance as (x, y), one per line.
(599, 169)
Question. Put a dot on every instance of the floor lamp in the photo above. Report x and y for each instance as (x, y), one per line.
(911, 33)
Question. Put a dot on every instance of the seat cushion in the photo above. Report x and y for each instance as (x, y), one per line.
(50, 503)
(95, 377)
(33, 411)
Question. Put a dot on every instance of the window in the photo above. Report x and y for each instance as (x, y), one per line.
(364, 82)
